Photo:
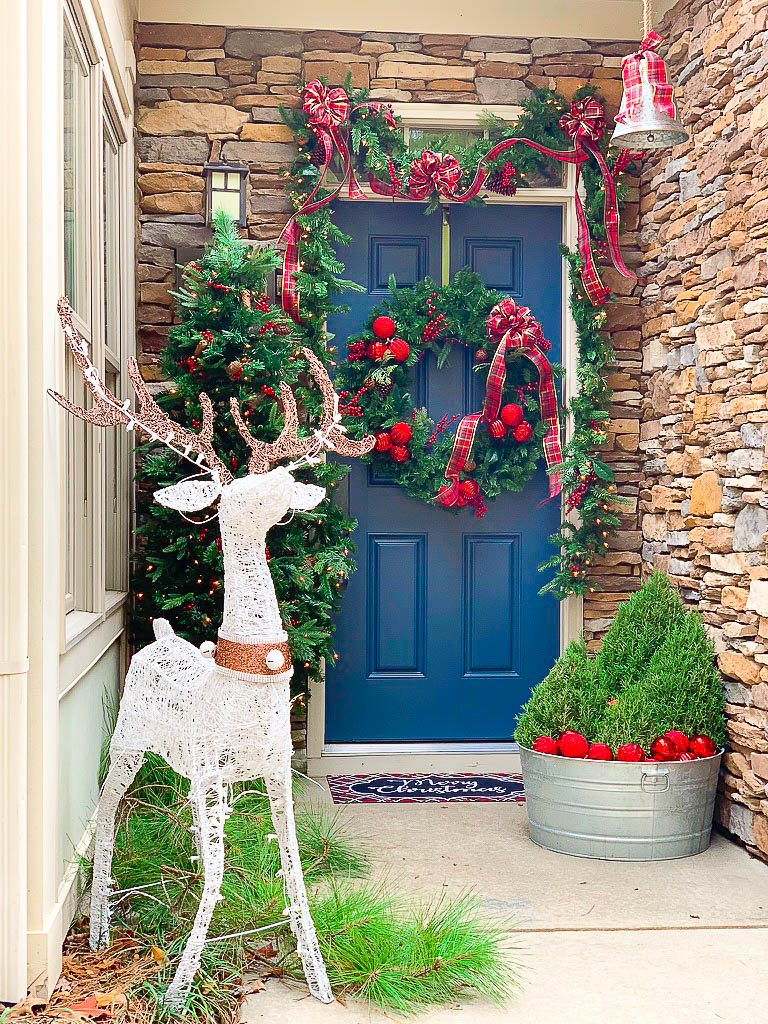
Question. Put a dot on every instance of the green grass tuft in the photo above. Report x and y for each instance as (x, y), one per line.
(374, 947)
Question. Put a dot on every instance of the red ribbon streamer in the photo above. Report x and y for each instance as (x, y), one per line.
(509, 326)
(657, 77)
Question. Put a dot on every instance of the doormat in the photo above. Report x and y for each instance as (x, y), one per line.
(462, 787)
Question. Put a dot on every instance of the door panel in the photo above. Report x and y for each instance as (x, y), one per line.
(442, 633)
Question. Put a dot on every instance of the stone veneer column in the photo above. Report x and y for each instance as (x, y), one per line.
(704, 498)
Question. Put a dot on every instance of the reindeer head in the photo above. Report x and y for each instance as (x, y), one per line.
(249, 505)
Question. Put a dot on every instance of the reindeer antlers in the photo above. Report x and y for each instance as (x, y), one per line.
(330, 434)
(109, 411)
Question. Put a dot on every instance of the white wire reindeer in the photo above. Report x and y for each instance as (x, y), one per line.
(227, 719)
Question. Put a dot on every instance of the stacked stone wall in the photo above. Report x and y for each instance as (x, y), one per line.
(704, 499)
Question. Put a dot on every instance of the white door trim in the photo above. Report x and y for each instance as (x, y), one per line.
(353, 758)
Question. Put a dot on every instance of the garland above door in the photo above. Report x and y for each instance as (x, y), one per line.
(343, 133)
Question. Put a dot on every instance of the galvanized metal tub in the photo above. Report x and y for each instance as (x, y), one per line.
(617, 810)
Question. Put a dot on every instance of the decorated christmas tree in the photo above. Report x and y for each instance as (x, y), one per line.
(232, 342)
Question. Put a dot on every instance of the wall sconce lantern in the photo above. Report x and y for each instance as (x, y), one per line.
(225, 189)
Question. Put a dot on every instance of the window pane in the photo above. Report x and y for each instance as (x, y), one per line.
(116, 502)
(227, 201)
(111, 198)
(75, 179)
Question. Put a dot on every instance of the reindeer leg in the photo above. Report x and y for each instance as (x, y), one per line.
(211, 813)
(302, 925)
(122, 772)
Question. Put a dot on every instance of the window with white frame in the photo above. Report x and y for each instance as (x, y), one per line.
(95, 197)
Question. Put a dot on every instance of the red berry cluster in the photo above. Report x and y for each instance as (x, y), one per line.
(191, 363)
(352, 407)
(435, 320)
(672, 746)
(441, 426)
(266, 389)
(356, 350)
(511, 421)
(207, 337)
(216, 286)
(262, 303)
(576, 496)
(395, 441)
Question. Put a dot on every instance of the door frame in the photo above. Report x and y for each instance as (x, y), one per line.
(358, 758)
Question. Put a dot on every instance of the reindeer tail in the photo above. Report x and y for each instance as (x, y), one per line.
(162, 628)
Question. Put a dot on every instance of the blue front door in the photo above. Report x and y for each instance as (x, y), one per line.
(442, 632)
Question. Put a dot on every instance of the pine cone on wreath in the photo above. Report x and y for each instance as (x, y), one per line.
(381, 383)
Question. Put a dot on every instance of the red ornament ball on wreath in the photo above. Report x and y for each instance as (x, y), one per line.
(630, 752)
(399, 453)
(469, 489)
(511, 414)
(383, 441)
(599, 752)
(399, 349)
(573, 744)
(703, 746)
(496, 429)
(376, 351)
(400, 433)
(383, 327)
(544, 745)
(523, 432)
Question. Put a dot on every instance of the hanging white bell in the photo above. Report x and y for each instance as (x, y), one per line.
(645, 126)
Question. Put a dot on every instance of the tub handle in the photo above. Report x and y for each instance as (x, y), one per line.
(651, 780)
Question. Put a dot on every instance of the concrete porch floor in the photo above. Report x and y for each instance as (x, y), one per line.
(685, 939)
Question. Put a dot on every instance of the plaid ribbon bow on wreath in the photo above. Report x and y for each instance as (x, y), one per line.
(509, 327)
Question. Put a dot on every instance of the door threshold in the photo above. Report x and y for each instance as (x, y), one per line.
(414, 758)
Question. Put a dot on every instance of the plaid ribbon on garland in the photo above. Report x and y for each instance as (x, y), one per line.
(328, 111)
(509, 326)
(633, 82)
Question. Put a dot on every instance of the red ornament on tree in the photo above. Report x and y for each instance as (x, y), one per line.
(545, 745)
(523, 432)
(383, 327)
(496, 429)
(703, 746)
(573, 744)
(469, 489)
(630, 752)
(376, 351)
(511, 414)
(383, 441)
(400, 433)
(600, 752)
(399, 349)
(399, 453)
(663, 749)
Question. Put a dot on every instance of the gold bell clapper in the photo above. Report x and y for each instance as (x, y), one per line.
(647, 118)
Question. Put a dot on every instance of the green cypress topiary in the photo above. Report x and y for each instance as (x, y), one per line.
(654, 672)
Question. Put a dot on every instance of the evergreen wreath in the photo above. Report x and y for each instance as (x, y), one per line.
(589, 492)
(375, 384)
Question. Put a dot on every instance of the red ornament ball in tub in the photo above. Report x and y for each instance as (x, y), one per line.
(573, 744)
(400, 433)
(383, 327)
(663, 749)
(630, 752)
(703, 746)
(545, 745)
(678, 739)
(687, 756)
(511, 414)
(399, 349)
(383, 441)
(599, 752)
